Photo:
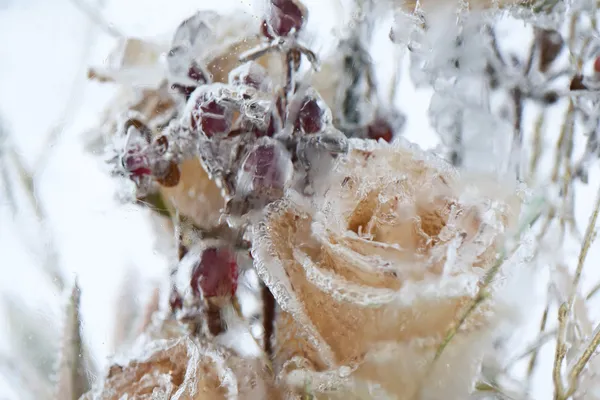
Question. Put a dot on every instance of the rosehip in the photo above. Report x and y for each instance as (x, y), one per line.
(597, 65)
(216, 274)
(285, 17)
(210, 117)
(265, 167)
(136, 165)
(310, 117)
(385, 125)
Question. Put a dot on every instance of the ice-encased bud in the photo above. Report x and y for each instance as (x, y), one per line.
(267, 167)
(207, 112)
(215, 274)
(285, 17)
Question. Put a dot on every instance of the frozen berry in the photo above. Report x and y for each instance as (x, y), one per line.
(136, 164)
(216, 274)
(597, 65)
(380, 129)
(310, 117)
(272, 128)
(266, 167)
(211, 117)
(285, 17)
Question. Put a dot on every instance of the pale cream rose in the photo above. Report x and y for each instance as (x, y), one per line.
(179, 367)
(372, 274)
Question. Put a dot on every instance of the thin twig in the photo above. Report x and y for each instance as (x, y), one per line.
(587, 241)
(582, 362)
(560, 353)
(567, 307)
(593, 292)
(537, 145)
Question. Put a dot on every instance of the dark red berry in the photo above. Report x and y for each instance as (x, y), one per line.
(380, 129)
(136, 164)
(285, 17)
(310, 117)
(211, 117)
(597, 65)
(265, 166)
(216, 274)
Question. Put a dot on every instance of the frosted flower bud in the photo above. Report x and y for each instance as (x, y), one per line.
(285, 17)
(266, 168)
(215, 274)
(374, 272)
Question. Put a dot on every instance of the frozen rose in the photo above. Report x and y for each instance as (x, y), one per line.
(372, 275)
(185, 368)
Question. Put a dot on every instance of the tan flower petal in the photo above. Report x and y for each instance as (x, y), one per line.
(393, 254)
(196, 195)
(186, 368)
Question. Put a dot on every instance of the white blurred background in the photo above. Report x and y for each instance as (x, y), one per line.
(46, 108)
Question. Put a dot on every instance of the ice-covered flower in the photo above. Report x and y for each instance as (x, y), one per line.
(371, 274)
(184, 367)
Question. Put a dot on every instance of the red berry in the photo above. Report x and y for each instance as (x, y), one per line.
(265, 167)
(310, 117)
(216, 274)
(285, 17)
(211, 117)
(380, 129)
(597, 65)
(136, 164)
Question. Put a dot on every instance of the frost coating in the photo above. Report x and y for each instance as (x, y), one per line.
(397, 244)
(185, 368)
